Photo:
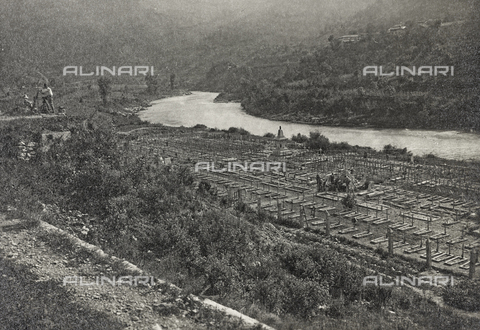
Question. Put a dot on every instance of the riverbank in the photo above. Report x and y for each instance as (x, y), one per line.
(359, 121)
(353, 123)
(200, 108)
(84, 100)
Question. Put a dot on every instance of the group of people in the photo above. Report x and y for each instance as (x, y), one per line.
(47, 98)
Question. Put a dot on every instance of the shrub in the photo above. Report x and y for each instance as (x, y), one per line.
(318, 141)
(238, 130)
(299, 138)
(287, 222)
(204, 187)
(305, 296)
(382, 252)
(349, 201)
(464, 295)
(341, 146)
(377, 296)
(337, 309)
(105, 87)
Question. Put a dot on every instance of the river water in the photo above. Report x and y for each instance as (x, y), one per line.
(199, 108)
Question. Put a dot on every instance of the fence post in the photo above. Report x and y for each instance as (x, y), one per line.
(390, 242)
(429, 254)
(303, 215)
(279, 210)
(327, 224)
(473, 261)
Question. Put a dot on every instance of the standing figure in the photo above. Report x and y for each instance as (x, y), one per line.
(26, 102)
(47, 95)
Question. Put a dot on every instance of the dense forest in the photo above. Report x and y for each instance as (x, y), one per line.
(181, 37)
(328, 86)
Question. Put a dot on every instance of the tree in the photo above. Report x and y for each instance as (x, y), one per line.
(318, 141)
(152, 84)
(299, 138)
(172, 81)
(105, 86)
(349, 201)
(334, 42)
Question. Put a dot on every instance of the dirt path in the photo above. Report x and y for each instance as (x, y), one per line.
(43, 285)
(5, 118)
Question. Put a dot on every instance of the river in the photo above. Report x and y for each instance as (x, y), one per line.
(199, 108)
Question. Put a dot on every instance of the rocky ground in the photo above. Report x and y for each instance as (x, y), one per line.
(34, 262)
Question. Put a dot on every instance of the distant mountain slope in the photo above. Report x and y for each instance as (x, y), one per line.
(328, 86)
(49, 34)
(183, 36)
(389, 12)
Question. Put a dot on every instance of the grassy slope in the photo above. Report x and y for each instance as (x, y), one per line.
(199, 243)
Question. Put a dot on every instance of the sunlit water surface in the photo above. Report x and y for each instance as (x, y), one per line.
(199, 108)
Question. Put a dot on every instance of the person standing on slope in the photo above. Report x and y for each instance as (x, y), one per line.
(47, 95)
(27, 103)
